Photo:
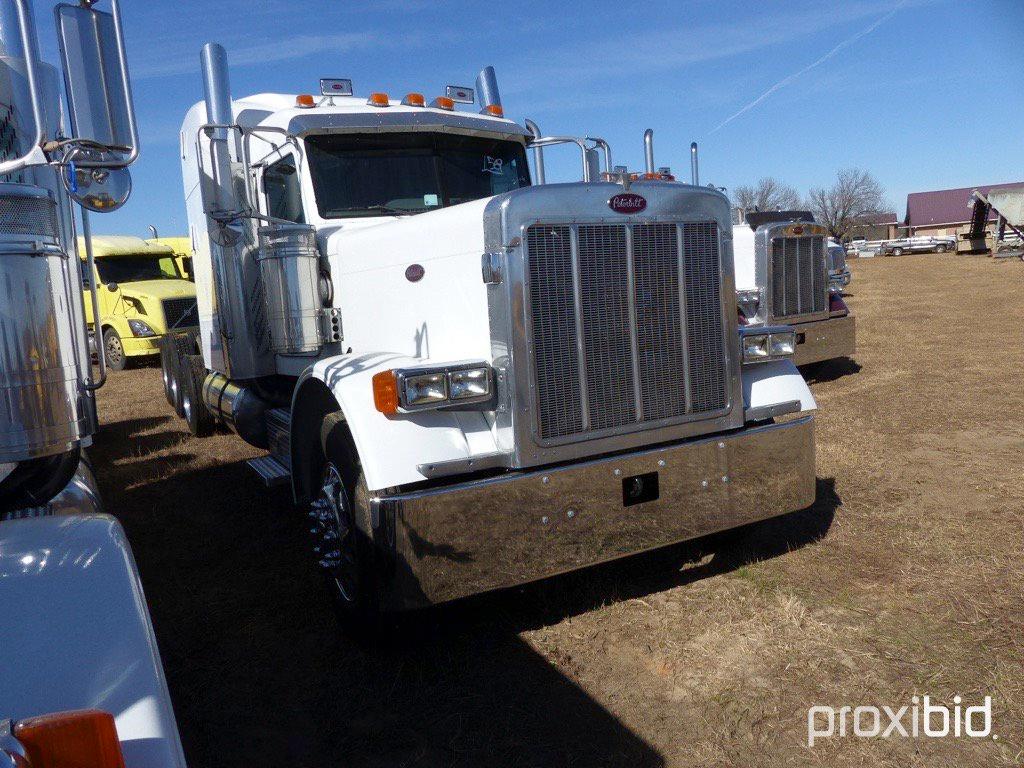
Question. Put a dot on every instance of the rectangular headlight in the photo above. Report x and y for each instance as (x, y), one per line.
(755, 347)
(424, 389)
(461, 385)
(469, 384)
(782, 344)
(764, 343)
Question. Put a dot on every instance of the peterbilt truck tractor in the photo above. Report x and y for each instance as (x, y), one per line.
(81, 682)
(785, 274)
(469, 378)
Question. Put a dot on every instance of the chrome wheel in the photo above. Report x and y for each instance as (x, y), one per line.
(335, 534)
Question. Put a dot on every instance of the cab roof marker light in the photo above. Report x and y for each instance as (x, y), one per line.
(414, 100)
(443, 102)
(378, 99)
(494, 110)
(305, 101)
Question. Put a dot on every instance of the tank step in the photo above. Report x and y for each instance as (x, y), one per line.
(271, 471)
(279, 422)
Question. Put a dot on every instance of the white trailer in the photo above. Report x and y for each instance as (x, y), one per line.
(81, 678)
(784, 274)
(469, 379)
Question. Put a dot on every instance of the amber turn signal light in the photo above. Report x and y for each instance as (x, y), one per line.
(385, 392)
(85, 737)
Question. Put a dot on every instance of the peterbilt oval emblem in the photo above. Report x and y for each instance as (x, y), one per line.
(414, 273)
(627, 202)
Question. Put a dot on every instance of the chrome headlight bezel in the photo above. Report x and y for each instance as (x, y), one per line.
(767, 343)
(446, 387)
(140, 328)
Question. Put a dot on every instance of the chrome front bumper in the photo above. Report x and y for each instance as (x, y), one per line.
(825, 339)
(479, 536)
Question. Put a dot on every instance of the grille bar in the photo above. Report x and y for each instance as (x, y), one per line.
(626, 324)
(799, 279)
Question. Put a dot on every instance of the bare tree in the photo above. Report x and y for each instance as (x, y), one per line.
(855, 193)
(767, 195)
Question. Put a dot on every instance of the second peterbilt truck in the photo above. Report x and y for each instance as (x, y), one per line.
(470, 379)
(783, 276)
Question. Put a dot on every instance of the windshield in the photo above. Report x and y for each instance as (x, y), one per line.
(130, 269)
(374, 174)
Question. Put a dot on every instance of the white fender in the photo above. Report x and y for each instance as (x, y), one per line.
(775, 383)
(392, 448)
(76, 633)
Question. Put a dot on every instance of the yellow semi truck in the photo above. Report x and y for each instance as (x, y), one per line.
(142, 296)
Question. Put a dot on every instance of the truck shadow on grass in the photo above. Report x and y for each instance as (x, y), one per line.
(260, 673)
(830, 370)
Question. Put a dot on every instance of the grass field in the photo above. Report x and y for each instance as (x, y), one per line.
(904, 578)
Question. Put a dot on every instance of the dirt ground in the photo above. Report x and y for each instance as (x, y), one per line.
(903, 579)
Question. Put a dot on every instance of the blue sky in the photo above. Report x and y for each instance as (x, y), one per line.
(793, 90)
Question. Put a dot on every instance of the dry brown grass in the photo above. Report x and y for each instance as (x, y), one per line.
(904, 578)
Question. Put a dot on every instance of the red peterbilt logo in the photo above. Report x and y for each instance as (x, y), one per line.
(627, 202)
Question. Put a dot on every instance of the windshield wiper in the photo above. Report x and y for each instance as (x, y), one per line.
(374, 208)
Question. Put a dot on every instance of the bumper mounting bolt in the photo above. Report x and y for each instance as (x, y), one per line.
(571, 513)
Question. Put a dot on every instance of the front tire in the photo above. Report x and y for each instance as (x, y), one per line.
(940, 249)
(113, 350)
(340, 513)
(897, 251)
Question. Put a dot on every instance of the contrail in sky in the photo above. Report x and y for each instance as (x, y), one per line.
(787, 80)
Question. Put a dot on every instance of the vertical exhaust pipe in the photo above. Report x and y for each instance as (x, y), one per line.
(649, 151)
(487, 88)
(538, 152)
(694, 172)
(217, 93)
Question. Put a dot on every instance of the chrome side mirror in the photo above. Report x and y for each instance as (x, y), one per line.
(96, 78)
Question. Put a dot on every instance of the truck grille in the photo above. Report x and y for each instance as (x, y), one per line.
(180, 313)
(799, 278)
(626, 325)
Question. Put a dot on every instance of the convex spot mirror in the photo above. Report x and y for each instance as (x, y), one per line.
(112, 287)
(98, 189)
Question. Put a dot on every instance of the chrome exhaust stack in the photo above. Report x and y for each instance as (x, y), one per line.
(217, 95)
(487, 89)
(538, 152)
(694, 173)
(649, 151)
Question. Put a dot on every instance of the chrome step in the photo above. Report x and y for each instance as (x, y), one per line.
(271, 471)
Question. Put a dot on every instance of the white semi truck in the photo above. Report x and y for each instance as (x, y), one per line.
(784, 275)
(81, 681)
(473, 380)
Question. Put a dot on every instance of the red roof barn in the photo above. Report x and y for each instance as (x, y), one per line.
(944, 211)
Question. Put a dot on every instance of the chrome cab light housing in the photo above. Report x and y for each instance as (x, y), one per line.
(766, 343)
